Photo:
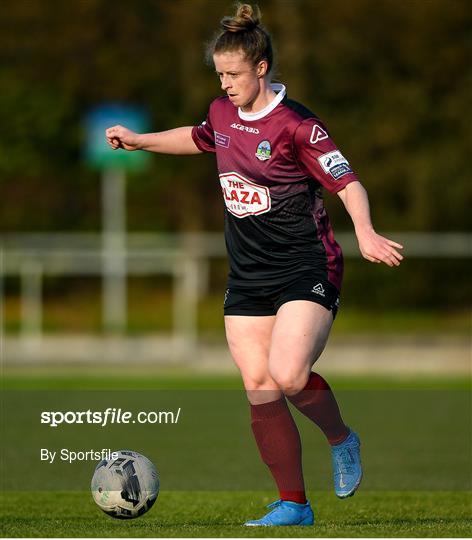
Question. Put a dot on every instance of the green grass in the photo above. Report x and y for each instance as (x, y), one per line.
(135, 376)
(220, 514)
(416, 454)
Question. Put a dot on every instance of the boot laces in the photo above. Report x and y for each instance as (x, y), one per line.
(344, 460)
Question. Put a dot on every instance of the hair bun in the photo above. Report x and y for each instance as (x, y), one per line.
(246, 18)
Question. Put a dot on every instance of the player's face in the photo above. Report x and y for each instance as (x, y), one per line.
(239, 79)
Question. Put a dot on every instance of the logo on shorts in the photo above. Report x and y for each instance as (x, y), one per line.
(263, 151)
(318, 289)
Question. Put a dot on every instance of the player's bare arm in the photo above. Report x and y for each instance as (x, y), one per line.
(174, 141)
(373, 246)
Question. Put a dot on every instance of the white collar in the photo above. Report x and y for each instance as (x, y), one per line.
(249, 117)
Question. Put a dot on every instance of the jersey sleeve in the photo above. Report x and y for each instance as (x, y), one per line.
(320, 158)
(203, 135)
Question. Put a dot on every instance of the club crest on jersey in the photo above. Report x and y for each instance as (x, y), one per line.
(317, 134)
(242, 197)
(263, 151)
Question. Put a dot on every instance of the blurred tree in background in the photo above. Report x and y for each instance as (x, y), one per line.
(391, 78)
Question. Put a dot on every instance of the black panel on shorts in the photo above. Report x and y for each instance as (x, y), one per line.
(266, 301)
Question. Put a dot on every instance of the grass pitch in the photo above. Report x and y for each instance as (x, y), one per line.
(417, 486)
(221, 514)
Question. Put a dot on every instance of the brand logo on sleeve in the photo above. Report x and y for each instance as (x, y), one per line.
(317, 134)
(335, 164)
(221, 139)
(263, 151)
(242, 197)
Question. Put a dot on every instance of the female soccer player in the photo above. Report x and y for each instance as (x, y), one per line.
(274, 157)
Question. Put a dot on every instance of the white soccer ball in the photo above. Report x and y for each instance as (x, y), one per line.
(125, 487)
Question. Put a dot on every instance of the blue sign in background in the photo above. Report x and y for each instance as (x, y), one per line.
(97, 151)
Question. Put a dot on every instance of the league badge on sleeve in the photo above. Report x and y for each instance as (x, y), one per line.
(335, 164)
(263, 151)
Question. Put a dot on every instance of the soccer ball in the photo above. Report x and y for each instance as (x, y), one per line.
(125, 487)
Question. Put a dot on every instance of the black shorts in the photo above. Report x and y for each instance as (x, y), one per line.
(264, 301)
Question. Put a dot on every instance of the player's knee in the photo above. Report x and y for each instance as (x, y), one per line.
(291, 383)
(260, 389)
(255, 382)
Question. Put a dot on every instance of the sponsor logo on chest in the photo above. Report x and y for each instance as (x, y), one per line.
(242, 197)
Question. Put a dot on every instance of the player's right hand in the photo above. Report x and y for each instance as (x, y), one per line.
(121, 137)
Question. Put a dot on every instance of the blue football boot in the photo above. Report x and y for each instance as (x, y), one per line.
(285, 513)
(347, 468)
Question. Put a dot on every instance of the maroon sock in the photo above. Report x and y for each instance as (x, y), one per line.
(279, 445)
(317, 402)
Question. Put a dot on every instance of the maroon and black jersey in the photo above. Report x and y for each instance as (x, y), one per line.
(272, 167)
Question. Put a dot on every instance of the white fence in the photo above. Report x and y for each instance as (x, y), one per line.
(184, 257)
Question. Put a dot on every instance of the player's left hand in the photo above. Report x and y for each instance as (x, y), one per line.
(376, 248)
